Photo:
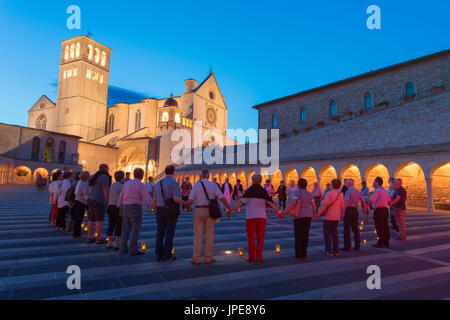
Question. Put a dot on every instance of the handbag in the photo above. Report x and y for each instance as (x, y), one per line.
(213, 206)
(172, 209)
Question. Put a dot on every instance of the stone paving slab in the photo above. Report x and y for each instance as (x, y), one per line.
(34, 258)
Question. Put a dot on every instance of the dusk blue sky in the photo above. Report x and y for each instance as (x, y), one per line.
(259, 50)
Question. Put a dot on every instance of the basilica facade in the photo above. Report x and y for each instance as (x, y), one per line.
(124, 135)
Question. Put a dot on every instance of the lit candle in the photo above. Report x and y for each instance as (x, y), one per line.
(85, 229)
(241, 251)
(361, 228)
(173, 250)
(144, 247)
(375, 232)
(278, 248)
(365, 241)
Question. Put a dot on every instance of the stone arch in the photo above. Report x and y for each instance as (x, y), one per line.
(131, 159)
(291, 174)
(44, 175)
(440, 186)
(232, 177)
(242, 176)
(249, 177)
(377, 170)
(351, 171)
(216, 175)
(326, 174)
(22, 175)
(223, 176)
(151, 167)
(414, 182)
(265, 175)
(309, 174)
(276, 178)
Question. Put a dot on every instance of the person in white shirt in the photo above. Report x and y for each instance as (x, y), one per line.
(317, 194)
(63, 205)
(80, 205)
(203, 223)
(53, 190)
(256, 197)
(381, 200)
(333, 210)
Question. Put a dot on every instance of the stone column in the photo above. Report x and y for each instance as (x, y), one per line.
(430, 194)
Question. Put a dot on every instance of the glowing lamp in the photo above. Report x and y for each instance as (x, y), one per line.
(228, 252)
(365, 241)
(96, 234)
(85, 215)
(278, 248)
(144, 247)
(361, 228)
(241, 252)
(378, 238)
(85, 229)
(173, 250)
(375, 232)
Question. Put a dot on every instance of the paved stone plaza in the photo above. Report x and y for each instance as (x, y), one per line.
(34, 258)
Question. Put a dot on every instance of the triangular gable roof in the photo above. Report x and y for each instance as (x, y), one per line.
(43, 98)
(211, 75)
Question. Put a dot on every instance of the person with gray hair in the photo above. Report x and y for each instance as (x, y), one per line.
(256, 197)
(398, 208)
(203, 191)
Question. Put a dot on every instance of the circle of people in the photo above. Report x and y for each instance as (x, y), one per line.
(80, 195)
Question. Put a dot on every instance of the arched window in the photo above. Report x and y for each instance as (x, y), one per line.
(103, 61)
(72, 51)
(368, 101)
(41, 122)
(90, 52)
(177, 118)
(62, 152)
(111, 124)
(66, 53)
(137, 121)
(333, 108)
(77, 50)
(97, 55)
(410, 90)
(303, 114)
(35, 149)
(274, 121)
(165, 117)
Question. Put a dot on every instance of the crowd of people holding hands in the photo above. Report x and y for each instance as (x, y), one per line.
(74, 196)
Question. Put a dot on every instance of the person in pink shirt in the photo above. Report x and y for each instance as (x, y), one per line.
(333, 210)
(131, 198)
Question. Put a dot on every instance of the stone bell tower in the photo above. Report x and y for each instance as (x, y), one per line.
(83, 88)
